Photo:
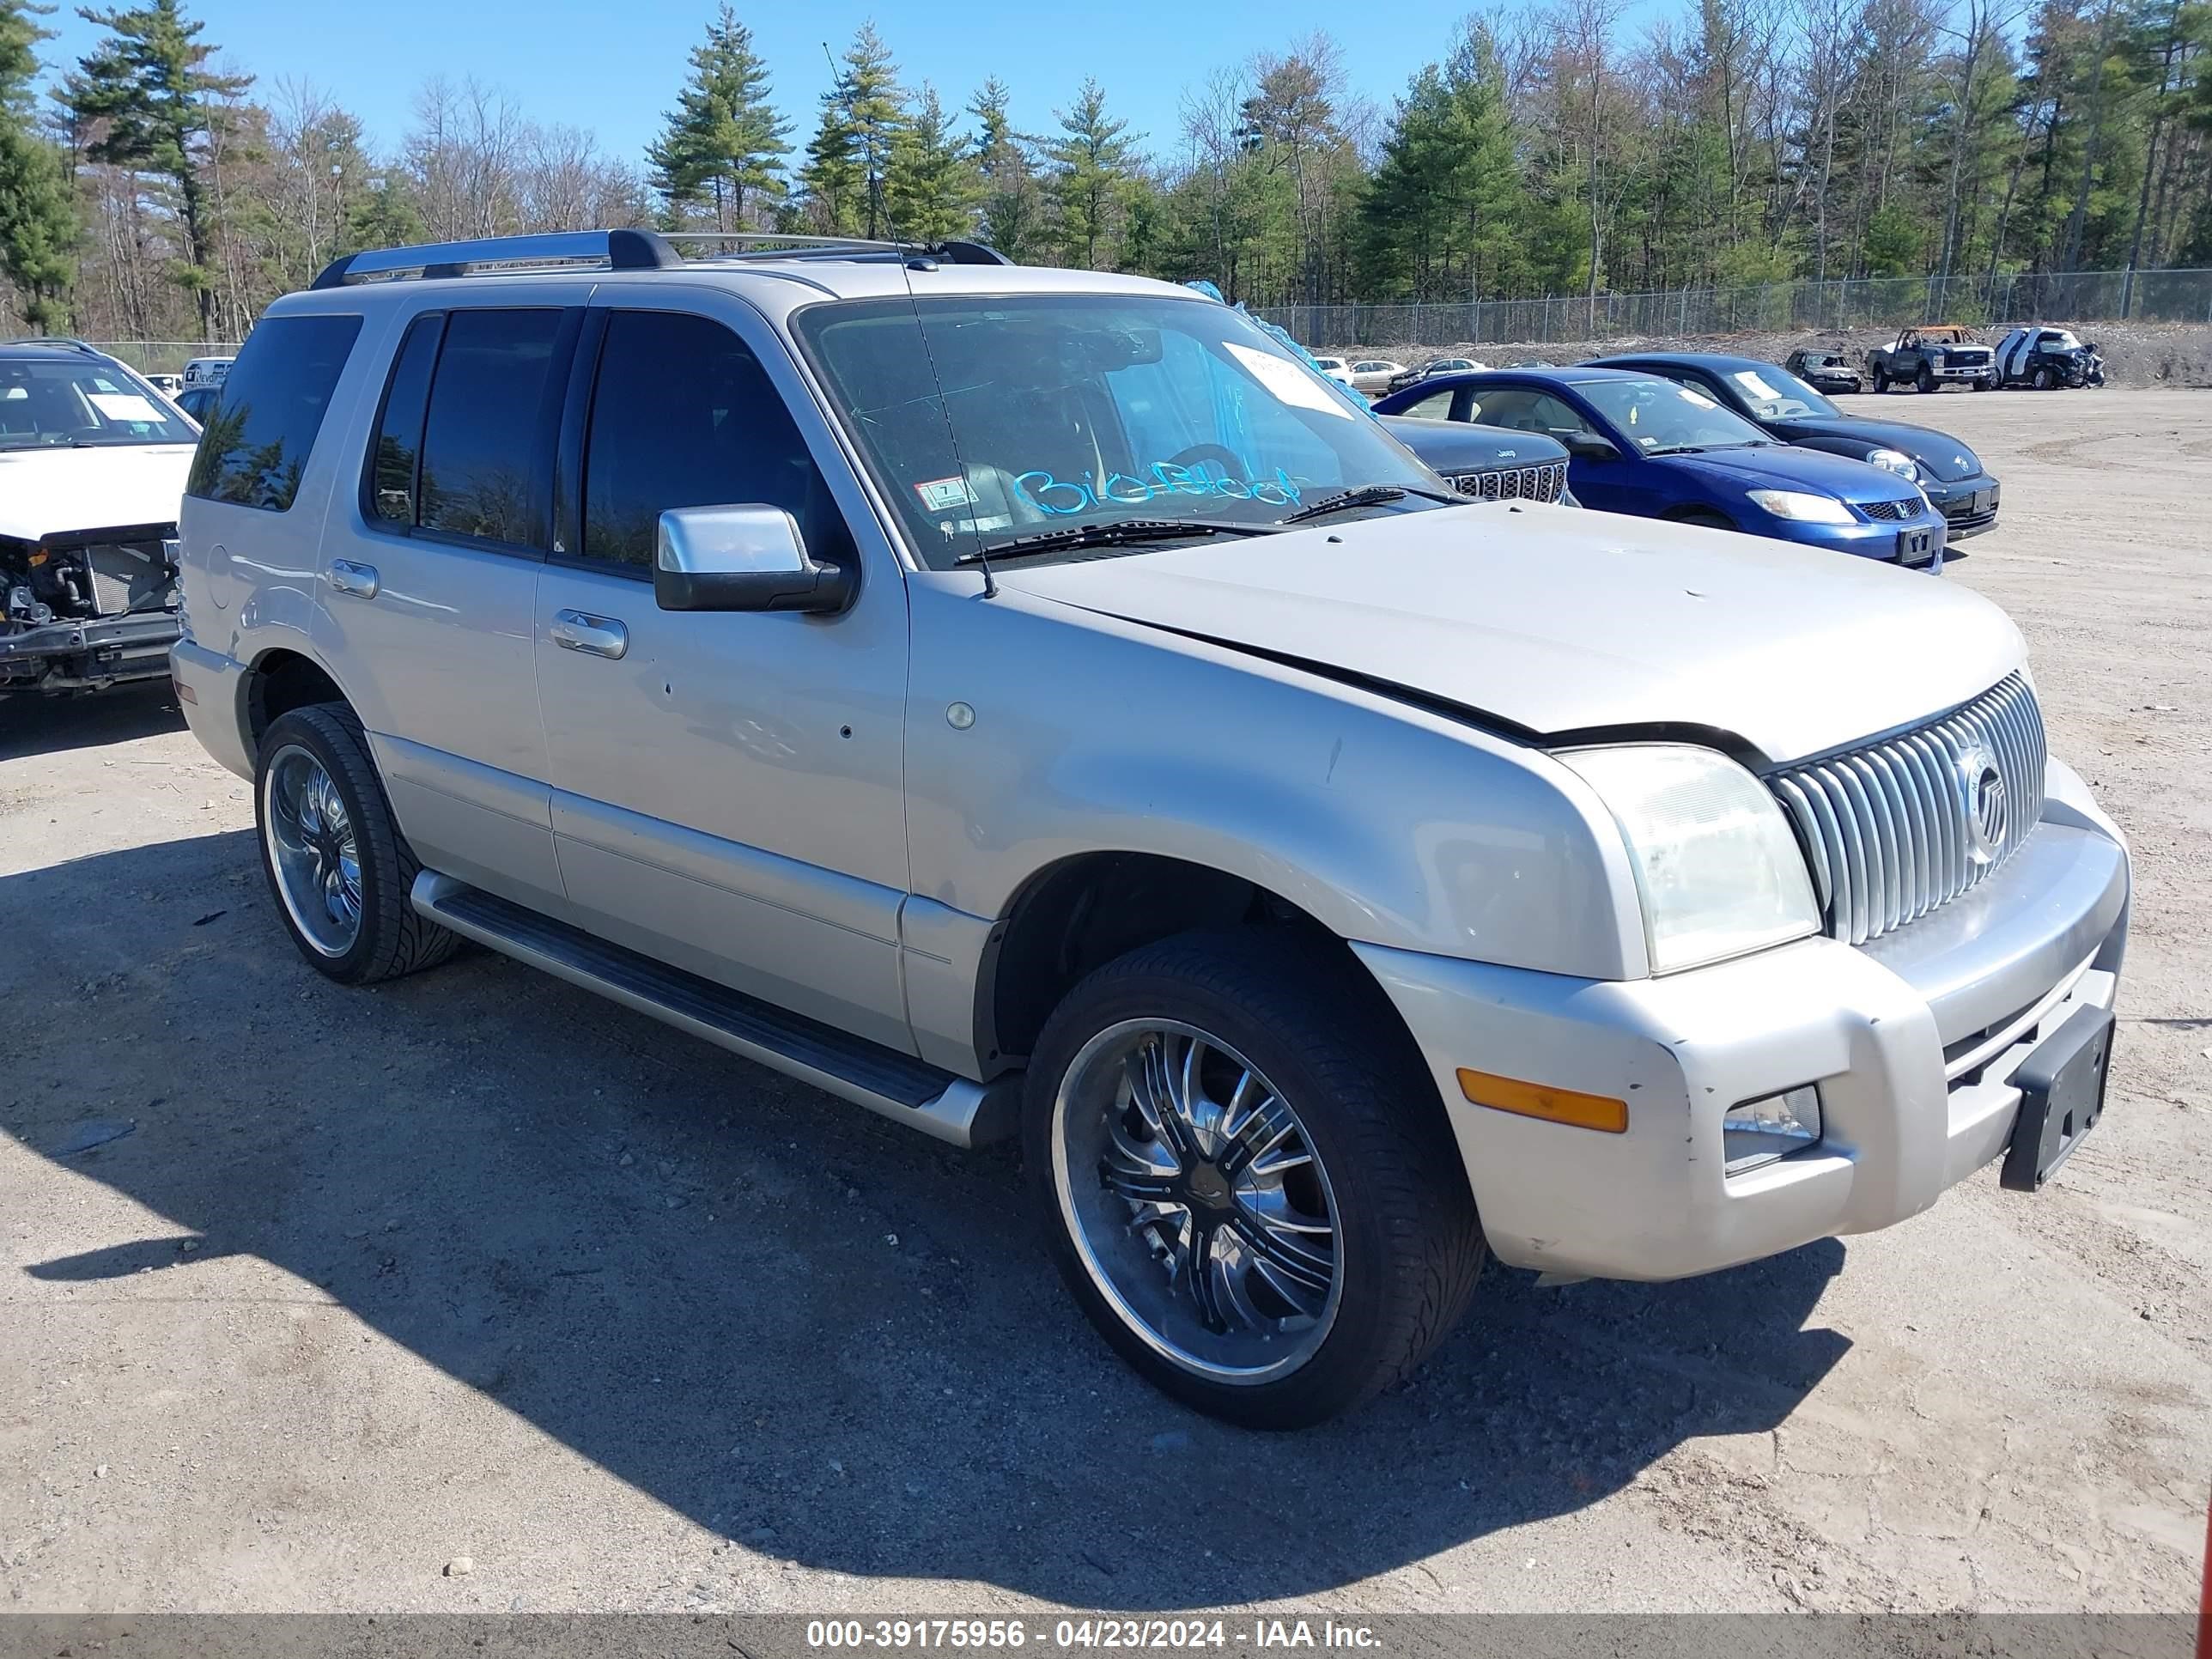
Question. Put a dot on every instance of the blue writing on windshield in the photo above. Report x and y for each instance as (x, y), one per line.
(1060, 497)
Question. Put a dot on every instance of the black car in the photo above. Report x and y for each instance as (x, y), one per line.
(1824, 371)
(1486, 463)
(1406, 377)
(1948, 472)
(2047, 358)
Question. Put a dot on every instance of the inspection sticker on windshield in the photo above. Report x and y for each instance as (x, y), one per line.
(123, 406)
(942, 495)
(1290, 384)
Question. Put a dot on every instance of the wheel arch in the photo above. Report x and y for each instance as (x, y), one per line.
(278, 680)
(1082, 911)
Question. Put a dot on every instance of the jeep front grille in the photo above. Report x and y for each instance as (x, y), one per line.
(1898, 826)
(1544, 482)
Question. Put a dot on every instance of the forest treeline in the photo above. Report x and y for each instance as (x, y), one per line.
(154, 189)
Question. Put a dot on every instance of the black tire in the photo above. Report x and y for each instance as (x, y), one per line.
(2042, 380)
(393, 938)
(1927, 380)
(1881, 381)
(1409, 1245)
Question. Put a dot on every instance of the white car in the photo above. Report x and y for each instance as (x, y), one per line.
(92, 463)
(1374, 373)
(167, 384)
(1336, 368)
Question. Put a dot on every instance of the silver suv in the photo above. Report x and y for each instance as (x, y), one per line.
(1035, 701)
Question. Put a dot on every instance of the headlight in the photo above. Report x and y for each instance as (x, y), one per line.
(1716, 866)
(1803, 508)
(1897, 461)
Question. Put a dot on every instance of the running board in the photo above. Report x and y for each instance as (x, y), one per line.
(899, 1086)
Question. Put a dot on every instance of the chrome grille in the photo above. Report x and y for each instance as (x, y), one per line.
(1891, 512)
(1898, 826)
(1546, 482)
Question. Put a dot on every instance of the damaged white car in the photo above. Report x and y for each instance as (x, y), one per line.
(92, 467)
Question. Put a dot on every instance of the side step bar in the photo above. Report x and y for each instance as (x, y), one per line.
(899, 1086)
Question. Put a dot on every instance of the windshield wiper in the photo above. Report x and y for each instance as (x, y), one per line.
(1113, 533)
(1367, 496)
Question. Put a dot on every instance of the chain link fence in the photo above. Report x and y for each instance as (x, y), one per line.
(163, 356)
(2081, 296)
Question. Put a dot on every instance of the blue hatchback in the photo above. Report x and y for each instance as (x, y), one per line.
(1641, 444)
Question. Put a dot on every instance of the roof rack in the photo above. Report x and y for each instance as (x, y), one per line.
(68, 340)
(622, 250)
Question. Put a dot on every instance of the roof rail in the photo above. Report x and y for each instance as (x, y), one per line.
(619, 250)
(784, 245)
(56, 339)
(624, 250)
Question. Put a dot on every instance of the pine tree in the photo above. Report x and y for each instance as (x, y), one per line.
(1092, 159)
(830, 178)
(931, 188)
(148, 87)
(724, 143)
(37, 209)
(849, 156)
(1012, 210)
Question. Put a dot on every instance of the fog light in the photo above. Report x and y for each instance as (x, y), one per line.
(1760, 1130)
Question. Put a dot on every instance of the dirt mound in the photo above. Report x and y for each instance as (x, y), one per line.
(2135, 353)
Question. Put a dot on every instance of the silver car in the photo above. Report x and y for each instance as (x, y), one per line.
(1034, 703)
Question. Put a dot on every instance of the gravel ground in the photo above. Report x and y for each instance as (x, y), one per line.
(474, 1292)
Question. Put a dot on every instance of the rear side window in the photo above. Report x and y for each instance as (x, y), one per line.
(397, 455)
(262, 427)
(482, 432)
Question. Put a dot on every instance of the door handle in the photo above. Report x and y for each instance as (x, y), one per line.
(359, 579)
(597, 636)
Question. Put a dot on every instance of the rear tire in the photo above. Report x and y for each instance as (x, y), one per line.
(1881, 381)
(336, 863)
(1356, 1248)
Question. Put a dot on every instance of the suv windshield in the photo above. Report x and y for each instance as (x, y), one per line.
(986, 419)
(1775, 394)
(59, 404)
(1662, 418)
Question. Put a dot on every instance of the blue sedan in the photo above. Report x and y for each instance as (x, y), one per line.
(1641, 444)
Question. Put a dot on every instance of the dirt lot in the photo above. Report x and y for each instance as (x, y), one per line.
(474, 1266)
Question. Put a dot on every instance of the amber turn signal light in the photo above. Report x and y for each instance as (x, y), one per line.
(1509, 1094)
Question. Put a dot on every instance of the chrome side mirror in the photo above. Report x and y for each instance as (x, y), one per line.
(742, 558)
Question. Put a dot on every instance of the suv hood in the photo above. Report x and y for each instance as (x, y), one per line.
(1558, 619)
(1940, 456)
(49, 491)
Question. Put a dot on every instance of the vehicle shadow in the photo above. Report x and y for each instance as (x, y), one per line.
(828, 1340)
(31, 725)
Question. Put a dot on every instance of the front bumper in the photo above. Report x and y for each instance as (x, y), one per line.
(87, 656)
(1969, 506)
(1882, 540)
(1913, 1041)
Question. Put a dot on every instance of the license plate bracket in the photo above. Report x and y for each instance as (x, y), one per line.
(1915, 547)
(2062, 1095)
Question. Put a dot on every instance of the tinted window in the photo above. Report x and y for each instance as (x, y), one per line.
(684, 416)
(480, 438)
(263, 424)
(399, 428)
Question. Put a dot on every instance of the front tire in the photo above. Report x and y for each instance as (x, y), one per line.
(1927, 381)
(2042, 381)
(1246, 1176)
(336, 863)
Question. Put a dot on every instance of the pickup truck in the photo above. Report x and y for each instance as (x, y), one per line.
(1037, 704)
(1931, 358)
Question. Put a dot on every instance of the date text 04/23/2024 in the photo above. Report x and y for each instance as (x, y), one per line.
(1106, 1633)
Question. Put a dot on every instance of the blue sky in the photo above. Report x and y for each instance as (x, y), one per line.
(614, 68)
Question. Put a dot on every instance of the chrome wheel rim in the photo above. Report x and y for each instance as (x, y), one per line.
(313, 849)
(1197, 1202)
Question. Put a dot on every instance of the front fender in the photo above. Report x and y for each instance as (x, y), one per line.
(1390, 824)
